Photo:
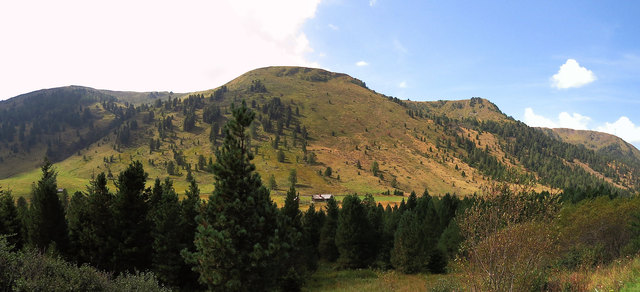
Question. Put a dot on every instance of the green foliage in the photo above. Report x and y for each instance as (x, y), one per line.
(281, 156)
(131, 221)
(375, 168)
(327, 245)
(30, 270)
(272, 183)
(328, 171)
(407, 254)
(237, 243)
(10, 224)
(354, 234)
(293, 177)
(47, 223)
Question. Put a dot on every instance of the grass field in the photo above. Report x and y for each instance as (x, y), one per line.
(329, 278)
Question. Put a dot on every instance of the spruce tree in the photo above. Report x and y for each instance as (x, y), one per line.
(292, 254)
(99, 246)
(237, 243)
(327, 246)
(47, 223)
(406, 255)
(353, 235)
(312, 222)
(9, 219)
(190, 207)
(77, 216)
(166, 232)
(131, 227)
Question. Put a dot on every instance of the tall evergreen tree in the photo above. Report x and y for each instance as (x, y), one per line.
(312, 222)
(77, 216)
(190, 207)
(327, 246)
(354, 234)
(132, 237)
(47, 223)
(237, 242)
(166, 233)
(10, 223)
(292, 254)
(99, 246)
(406, 255)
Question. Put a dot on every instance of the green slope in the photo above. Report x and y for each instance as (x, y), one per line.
(445, 146)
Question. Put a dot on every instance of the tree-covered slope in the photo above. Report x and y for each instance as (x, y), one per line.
(338, 136)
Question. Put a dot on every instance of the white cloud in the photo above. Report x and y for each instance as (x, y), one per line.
(533, 120)
(147, 45)
(333, 26)
(362, 64)
(565, 120)
(403, 84)
(573, 121)
(372, 2)
(571, 74)
(623, 128)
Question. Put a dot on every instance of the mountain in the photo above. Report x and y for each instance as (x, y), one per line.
(600, 142)
(306, 119)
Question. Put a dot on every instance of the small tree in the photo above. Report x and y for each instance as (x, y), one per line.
(328, 172)
(375, 168)
(272, 183)
(281, 156)
(293, 177)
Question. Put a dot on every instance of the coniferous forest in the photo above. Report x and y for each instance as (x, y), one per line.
(139, 237)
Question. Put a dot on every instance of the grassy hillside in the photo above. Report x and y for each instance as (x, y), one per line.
(322, 120)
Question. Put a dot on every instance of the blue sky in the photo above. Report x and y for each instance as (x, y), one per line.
(505, 51)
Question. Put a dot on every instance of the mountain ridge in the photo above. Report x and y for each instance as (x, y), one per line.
(314, 119)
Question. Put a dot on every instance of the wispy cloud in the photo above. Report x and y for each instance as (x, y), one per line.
(362, 64)
(397, 45)
(403, 84)
(333, 26)
(571, 75)
(372, 2)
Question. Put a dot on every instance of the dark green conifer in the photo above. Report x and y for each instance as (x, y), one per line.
(353, 235)
(47, 223)
(238, 243)
(132, 229)
(10, 223)
(327, 246)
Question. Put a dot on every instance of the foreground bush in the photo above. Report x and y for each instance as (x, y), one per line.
(33, 271)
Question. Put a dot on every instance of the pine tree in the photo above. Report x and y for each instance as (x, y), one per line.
(190, 207)
(237, 243)
(353, 235)
(327, 246)
(99, 246)
(406, 255)
(77, 216)
(166, 234)
(9, 219)
(47, 222)
(312, 222)
(292, 254)
(131, 226)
